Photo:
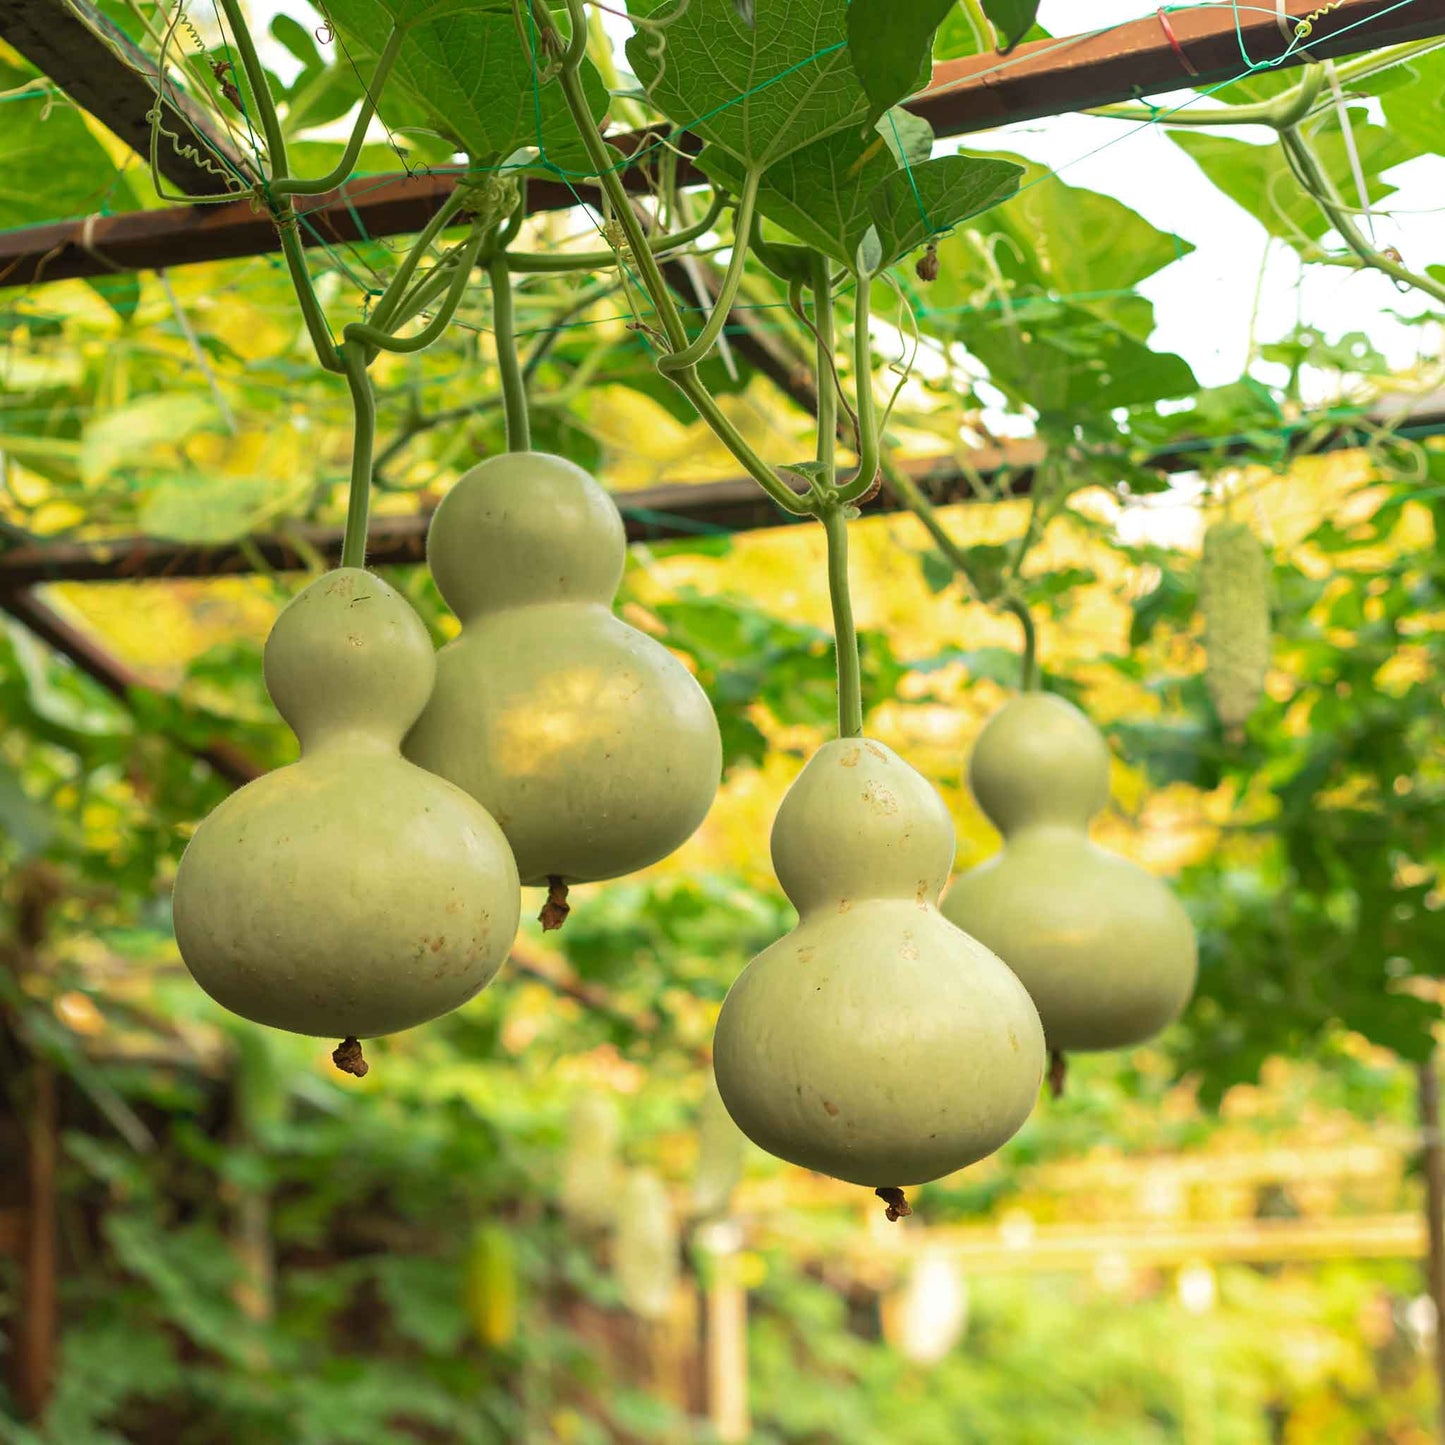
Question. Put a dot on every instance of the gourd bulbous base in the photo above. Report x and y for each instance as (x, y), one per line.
(350, 894)
(1104, 948)
(592, 745)
(876, 1042)
(346, 896)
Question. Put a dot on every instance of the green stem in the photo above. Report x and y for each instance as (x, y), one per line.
(707, 408)
(1284, 110)
(845, 634)
(289, 230)
(563, 261)
(287, 225)
(1028, 663)
(408, 345)
(823, 370)
(363, 401)
(707, 338)
(978, 22)
(607, 177)
(911, 495)
(383, 314)
(504, 329)
(867, 411)
(255, 76)
(341, 171)
(1319, 189)
(687, 380)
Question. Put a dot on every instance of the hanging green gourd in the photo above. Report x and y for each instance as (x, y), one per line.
(876, 1042)
(1234, 600)
(590, 743)
(1104, 948)
(352, 893)
(491, 1286)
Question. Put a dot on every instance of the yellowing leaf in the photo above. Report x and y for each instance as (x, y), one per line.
(136, 432)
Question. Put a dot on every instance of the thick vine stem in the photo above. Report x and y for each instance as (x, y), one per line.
(384, 313)
(686, 380)
(705, 340)
(823, 386)
(341, 171)
(866, 478)
(1311, 177)
(570, 261)
(363, 401)
(509, 367)
(1029, 660)
(572, 91)
(371, 336)
(833, 515)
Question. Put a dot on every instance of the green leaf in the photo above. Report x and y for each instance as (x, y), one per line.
(909, 136)
(29, 826)
(474, 71)
(890, 43)
(117, 438)
(760, 90)
(1054, 237)
(211, 510)
(1068, 361)
(820, 193)
(912, 206)
(844, 193)
(1258, 177)
(53, 166)
(1013, 19)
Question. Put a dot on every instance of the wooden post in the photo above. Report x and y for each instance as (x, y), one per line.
(36, 1327)
(726, 1331)
(1434, 1161)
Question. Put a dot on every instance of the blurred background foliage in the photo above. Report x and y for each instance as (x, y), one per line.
(251, 1248)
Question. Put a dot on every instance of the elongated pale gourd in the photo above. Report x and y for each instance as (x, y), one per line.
(876, 1042)
(352, 893)
(721, 1157)
(1234, 598)
(592, 745)
(646, 1247)
(1104, 948)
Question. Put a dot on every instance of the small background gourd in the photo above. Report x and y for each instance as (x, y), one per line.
(1104, 948)
(592, 746)
(352, 893)
(876, 1042)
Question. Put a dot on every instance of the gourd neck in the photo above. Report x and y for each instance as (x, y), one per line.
(1048, 832)
(324, 742)
(534, 605)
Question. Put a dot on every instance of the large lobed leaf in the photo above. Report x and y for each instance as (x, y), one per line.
(760, 86)
(473, 69)
(851, 197)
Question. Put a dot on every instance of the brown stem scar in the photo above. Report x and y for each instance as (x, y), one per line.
(347, 1057)
(1058, 1072)
(897, 1202)
(556, 908)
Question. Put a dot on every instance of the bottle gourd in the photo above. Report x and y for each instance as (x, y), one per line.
(351, 893)
(876, 1042)
(592, 746)
(1104, 948)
